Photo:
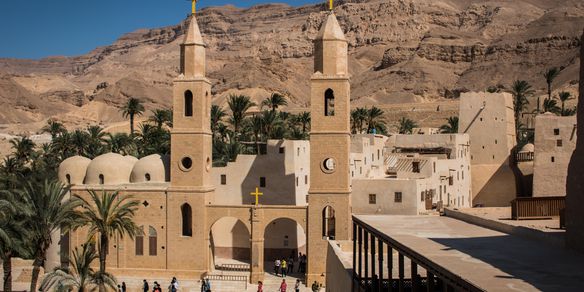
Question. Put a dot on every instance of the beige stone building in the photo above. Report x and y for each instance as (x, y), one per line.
(555, 141)
(488, 120)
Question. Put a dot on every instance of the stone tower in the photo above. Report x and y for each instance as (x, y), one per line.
(329, 195)
(191, 154)
(575, 179)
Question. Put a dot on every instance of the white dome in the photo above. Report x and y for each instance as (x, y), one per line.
(153, 168)
(72, 170)
(110, 169)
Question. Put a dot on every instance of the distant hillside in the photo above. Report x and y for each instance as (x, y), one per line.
(401, 51)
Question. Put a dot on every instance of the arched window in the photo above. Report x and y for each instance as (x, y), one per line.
(328, 222)
(152, 242)
(329, 103)
(68, 177)
(187, 220)
(101, 179)
(147, 177)
(139, 240)
(188, 103)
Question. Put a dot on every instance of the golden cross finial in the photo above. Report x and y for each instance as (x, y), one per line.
(256, 194)
(194, 2)
(331, 5)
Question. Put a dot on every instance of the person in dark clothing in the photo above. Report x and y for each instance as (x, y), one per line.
(145, 287)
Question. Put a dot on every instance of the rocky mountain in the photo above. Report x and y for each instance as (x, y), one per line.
(401, 52)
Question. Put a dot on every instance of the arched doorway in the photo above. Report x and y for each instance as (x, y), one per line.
(284, 238)
(230, 244)
(328, 223)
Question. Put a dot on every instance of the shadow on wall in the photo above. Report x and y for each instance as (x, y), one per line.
(499, 190)
(230, 240)
(278, 188)
(543, 267)
(283, 238)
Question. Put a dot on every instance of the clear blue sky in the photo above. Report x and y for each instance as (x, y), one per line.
(40, 28)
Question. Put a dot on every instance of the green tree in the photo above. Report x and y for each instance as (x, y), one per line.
(79, 275)
(375, 119)
(564, 97)
(521, 90)
(549, 75)
(239, 105)
(96, 141)
(217, 116)
(551, 105)
(107, 215)
(304, 119)
(23, 149)
(121, 143)
(54, 128)
(48, 212)
(406, 126)
(161, 117)
(451, 126)
(132, 108)
(274, 101)
(79, 141)
(257, 127)
(152, 140)
(13, 234)
(358, 118)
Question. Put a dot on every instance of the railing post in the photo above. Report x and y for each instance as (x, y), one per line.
(380, 256)
(373, 284)
(354, 257)
(401, 272)
(366, 255)
(390, 266)
(414, 275)
(360, 232)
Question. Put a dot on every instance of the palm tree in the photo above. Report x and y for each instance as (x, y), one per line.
(551, 105)
(107, 215)
(564, 97)
(161, 117)
(54, 128)
(374, 119)
(132, 108)
(271, 122)
(256, 124)
(217, 115)
(48, 212)
(304, 119)
(358, 117)
(521, 90)
(23, 149)
(274, 101)
(79, 274)
(549, 76)
(239, 105)
(97, 140)
(13, 234)
(121, 143)
(451, 127)
(406, 126)
(79, 141)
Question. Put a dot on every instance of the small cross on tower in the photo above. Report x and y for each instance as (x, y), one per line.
(331, 5)
(256, 194)
(194, 3)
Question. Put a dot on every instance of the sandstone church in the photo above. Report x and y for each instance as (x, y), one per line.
(192, 213)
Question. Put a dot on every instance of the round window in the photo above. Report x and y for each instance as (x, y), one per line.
(329, 165)
(186, 163)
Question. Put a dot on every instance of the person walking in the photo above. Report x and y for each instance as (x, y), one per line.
(276, 266)
(297, 286)
(290, 265)
(284, 268)
(145, 287)
(119, 288)
(315, 287)
(208, 284)
(283, 286)
(203, 286)
(260, 286)
(123, 286)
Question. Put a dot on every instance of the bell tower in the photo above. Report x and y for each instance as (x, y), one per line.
(329, 204)
(191, 153)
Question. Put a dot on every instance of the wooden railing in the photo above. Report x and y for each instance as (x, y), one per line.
(524, 156)
(537, 207)
(233, 267)
(369, 266)
(233, 278)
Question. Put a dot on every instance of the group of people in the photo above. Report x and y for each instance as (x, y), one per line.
(284, 267)
(173, 287)
(283, 286)
(122, 288)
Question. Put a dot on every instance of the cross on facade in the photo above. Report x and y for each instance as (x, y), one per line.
(256, 194)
